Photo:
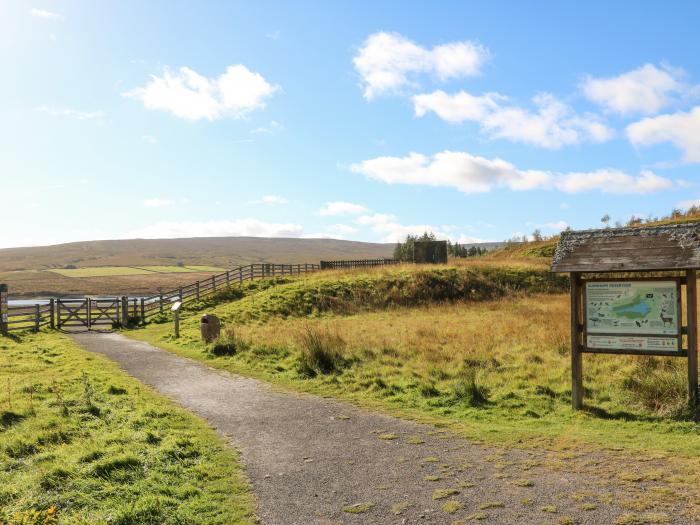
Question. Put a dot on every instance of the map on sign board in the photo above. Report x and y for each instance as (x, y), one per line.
(632, 307)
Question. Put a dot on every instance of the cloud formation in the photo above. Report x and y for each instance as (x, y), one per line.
(682, 129)
(341, 208)
(389, 61)
(645, 90)
(473, 174)
(189, 95)
(47, 15)
(553, 124)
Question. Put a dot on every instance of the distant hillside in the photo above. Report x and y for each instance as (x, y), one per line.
(224, 252)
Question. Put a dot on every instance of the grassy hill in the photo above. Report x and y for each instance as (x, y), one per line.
(209, 251)
(41, 270)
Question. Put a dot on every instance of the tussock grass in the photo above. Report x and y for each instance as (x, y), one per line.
(321, 352)
(82, 443)
(229, 343)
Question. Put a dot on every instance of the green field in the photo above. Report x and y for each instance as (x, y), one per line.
(106, 271)
(83, 443)
(101, 271)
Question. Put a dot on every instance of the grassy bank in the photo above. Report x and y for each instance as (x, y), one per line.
(81, 442)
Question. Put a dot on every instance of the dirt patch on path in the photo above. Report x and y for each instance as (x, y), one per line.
(318, 461)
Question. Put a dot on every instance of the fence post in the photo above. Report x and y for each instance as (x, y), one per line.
(3, 309)
(213, 282)
(228, 278)
(197, 285)
(143, 310)
(180, 293)
(161, 303)
(88, 308)
(52, 318)
(125, 311)
(37, 317)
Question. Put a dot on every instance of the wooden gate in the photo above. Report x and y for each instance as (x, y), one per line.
(87, 313)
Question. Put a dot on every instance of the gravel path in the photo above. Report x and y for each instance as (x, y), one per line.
(315, 460)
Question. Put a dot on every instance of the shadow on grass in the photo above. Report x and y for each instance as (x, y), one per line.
(621, 415)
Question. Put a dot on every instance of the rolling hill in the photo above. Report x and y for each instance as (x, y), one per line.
(214, 251)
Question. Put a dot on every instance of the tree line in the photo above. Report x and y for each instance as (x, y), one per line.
(404, 250)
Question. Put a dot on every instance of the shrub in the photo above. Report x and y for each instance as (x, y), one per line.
(659, 385)
(229, 343)
(321, 352)
(467, 390)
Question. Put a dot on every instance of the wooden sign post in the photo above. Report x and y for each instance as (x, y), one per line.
(4, 318)
(626, 295)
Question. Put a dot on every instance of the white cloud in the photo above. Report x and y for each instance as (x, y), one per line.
(689, 203)
(612, 181)
(389, 61)
(644, 90)
(271, 129)
(472, 174)
(682, 129)
(239, 228)
(555, 226)
(391, 230)
(342, 208)
(48, 15)
(157, 202)
(553, 125)
(70, 113)
(189, 95)
(150, 139)
(271, 200)
(342, 229)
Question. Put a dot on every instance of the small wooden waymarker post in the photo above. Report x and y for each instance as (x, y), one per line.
(626, 295)
(176, 317)
(3, 310)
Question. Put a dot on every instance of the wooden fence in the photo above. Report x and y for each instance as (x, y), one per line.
(30, 317)
(161, 303)
(359, 263)
(86, 313)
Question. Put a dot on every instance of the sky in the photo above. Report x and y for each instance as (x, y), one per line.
(357, 120)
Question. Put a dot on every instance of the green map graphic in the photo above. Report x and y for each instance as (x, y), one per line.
(632, 307)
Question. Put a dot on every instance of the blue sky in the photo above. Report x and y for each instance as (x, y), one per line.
(356, 120)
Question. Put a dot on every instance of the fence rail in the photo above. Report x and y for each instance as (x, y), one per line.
(30, 317)
(89, 312)
(159, 304)
(358, 263)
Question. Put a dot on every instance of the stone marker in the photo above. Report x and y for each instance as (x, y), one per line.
(210, 328)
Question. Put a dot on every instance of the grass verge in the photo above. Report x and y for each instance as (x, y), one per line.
(81, 442)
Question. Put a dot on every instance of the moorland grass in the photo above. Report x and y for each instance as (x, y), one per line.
(102, 271)
(494, 363)
(83, 443)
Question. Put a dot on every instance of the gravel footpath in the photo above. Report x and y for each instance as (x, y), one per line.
(318, 461)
